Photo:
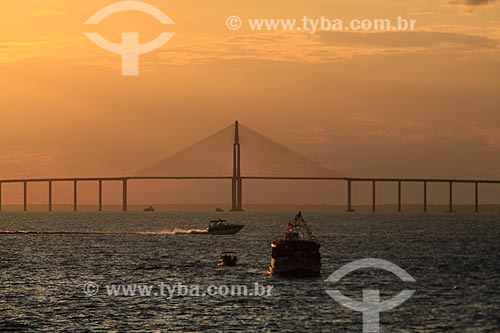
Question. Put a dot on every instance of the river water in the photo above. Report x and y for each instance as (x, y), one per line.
(454, 258)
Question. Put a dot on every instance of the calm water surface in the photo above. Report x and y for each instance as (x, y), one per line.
(454, 258)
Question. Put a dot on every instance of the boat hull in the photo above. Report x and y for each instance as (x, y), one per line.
(291, 270)
(227, 262)
(295, 258)
(227, 230)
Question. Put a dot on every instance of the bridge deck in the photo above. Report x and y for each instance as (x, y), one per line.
(348, 180)
(352, 179)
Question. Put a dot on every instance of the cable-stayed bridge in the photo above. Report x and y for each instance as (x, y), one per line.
(237, 153)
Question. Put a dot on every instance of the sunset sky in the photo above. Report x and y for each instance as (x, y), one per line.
(375, 104)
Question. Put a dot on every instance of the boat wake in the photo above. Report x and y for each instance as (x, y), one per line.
(175, 231)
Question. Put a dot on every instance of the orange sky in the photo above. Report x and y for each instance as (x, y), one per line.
(409, 104)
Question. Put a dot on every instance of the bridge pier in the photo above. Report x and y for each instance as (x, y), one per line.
(75, 195)
(233, 194)
(236, 195)
(374, 190)
(25, 196)
(349, 196)
(50, 195)
(0, 196)
(240, 194)
(100, 195)
(450, 208)
(425, 196)
(476, 201)
(124, 205)
(399, 196)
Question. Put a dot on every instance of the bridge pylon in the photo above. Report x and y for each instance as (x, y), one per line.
(236, 181)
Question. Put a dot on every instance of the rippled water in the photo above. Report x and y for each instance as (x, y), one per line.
(454, 258)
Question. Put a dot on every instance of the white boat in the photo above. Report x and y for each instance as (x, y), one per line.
(221, 227)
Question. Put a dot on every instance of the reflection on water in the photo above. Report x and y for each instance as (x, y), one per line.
(454, 258)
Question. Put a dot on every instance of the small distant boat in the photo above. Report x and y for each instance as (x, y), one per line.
(149, 209)
(228, 258)
(218, 209)
(221, 227)
(296, 253)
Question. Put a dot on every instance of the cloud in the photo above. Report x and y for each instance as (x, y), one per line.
(41, 12)
(23, 157)
(420, 12)
(408, 39)
(22, 163)
(45, 48)
(478, 2)
(471, 2)
(282, 47)
(292, 47)
(468, 6)
(325, 47)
